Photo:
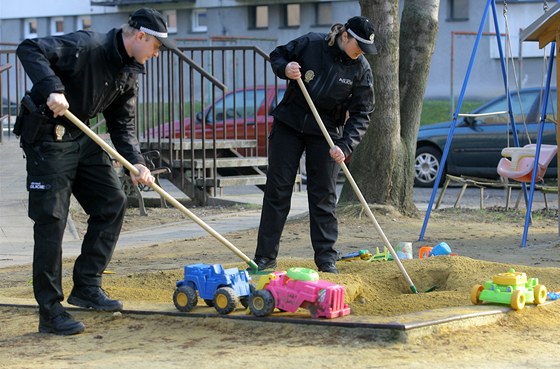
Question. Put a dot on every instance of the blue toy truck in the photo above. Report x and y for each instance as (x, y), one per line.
(218, 287)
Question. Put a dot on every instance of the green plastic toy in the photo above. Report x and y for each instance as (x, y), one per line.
(511, 288)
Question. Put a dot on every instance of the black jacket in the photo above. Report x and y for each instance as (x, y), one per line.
(88, 68)
(336, 84)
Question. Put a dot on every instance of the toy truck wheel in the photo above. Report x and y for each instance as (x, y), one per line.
(225, 300)
(540, 294)
(185, 298)
(517, 300)
(475, 294)
(261, 303)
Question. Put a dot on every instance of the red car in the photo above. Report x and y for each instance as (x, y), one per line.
(243, 109)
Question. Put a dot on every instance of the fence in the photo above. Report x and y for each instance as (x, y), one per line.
(189, 104)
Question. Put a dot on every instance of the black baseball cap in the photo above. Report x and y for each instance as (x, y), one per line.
(152, 22)
(361, 29)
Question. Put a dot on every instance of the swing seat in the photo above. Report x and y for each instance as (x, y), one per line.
(522, 163)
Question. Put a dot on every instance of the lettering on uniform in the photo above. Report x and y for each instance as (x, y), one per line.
(39, 186)
(345, 81)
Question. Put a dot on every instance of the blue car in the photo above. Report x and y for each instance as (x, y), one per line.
(478, 141)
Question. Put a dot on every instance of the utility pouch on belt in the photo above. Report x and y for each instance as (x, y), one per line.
(29, 120)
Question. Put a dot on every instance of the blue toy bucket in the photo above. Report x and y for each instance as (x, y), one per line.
(441, 248)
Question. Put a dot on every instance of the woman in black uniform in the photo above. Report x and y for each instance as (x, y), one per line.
(339, 80)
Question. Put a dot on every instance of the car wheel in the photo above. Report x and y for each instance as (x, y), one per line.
(426, 166)
(185, 298)
(540, 294)
(225, 300)
(261, 303)
(517, 300)
(475, 294)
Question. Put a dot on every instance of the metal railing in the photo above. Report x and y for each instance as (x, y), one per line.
(182, 106)
(13, 83)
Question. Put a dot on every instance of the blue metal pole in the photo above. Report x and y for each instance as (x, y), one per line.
(539, 143)
(454, 123)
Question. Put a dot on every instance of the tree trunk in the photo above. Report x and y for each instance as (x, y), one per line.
(383, 164)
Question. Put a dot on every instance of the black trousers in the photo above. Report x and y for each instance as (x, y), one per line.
(286, 146)
(55, 171)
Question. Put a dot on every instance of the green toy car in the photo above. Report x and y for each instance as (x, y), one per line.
(512, 288)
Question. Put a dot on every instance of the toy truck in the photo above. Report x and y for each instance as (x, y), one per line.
(218, 287)
(512, 288)
(298, 288)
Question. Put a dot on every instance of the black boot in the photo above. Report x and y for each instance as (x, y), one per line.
(63, 324)
(265, 263)
(328, 268)
(93, 297)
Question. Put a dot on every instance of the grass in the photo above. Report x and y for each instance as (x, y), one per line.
(434, 111)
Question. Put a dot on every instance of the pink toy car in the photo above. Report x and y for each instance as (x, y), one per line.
(298, 287)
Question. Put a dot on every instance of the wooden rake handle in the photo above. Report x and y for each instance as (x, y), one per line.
(355, 186)
(105, 146)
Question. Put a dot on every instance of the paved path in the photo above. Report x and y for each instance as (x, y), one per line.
(16, 229)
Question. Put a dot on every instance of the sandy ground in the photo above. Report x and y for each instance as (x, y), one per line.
(485, 243)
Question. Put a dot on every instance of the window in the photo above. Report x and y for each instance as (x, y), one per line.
(323, 14)
(457, 10)
(30, 28)
(519, 108)
(57, 26)
(171, 19)
(259, 17)
(84, 23)
(292, 15)
(200, 23)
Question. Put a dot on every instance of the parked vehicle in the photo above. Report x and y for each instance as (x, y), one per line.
(218, 287)
(298, 287)
(247, 116)
(477, 143)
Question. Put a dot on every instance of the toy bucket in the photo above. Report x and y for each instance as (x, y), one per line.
(404, 250)
(441, 248)
(424, 252)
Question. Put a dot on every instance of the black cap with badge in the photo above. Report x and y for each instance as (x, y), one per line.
(361, 29)
(152, 22)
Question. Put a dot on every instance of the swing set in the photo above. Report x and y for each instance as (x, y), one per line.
(525, 164)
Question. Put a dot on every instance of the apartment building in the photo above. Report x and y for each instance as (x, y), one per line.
(268, 23)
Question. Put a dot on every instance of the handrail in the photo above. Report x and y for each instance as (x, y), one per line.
(198, 68)
(5, 67)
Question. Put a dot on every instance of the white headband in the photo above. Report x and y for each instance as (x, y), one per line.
(369, 42)
(153, 33)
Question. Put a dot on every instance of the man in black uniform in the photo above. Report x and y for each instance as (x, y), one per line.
(340, 82)
(88, 73)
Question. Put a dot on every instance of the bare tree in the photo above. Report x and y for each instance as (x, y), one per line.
(383, 164)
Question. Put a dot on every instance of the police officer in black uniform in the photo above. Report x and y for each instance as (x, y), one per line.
(88, 73)
(339, 80)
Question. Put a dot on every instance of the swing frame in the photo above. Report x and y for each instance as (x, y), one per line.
(491, 5)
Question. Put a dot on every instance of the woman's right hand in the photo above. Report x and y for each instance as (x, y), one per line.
(293, 70)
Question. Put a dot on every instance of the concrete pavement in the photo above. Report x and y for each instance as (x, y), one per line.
(16, 229)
